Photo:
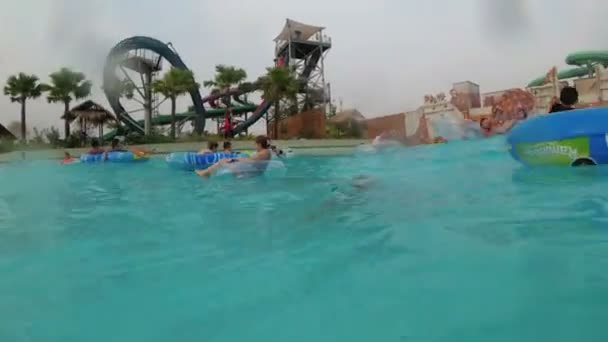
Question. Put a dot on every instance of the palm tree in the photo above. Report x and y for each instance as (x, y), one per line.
(20, 88)
(175, 83)
(226, 77)
(279, 83)
(66, 86)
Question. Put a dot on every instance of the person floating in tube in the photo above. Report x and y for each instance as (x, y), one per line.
(116, 146)
(212, 147)
(567, 99)
(68, 159)
(490, 126)
(227, 147)
(95, 148)
(260, 158)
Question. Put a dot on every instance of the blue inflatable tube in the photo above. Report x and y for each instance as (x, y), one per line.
(114, 157)
(199, 161)
(572, 138)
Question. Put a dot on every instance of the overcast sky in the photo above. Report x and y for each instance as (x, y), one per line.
(386, 54)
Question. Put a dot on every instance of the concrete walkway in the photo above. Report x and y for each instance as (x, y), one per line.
(300, 147)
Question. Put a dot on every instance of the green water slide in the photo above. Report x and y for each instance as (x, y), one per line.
(562, 75)
(584, 62)
(165, 119)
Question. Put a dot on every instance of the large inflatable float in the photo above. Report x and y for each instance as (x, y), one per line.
(198, 161)
(571, 138)
(115, 157)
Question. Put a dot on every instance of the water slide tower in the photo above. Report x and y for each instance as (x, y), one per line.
(304, 47)
(147, 64)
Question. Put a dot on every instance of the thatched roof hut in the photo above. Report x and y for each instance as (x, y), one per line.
(350, 122)
(92, 112)
(347, 116)
(5, 134)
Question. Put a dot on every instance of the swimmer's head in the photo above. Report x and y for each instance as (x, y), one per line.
(485, 123)
(212, 146)
(261, 142)
(95, 143)
(568, 96)
(227, 145)
(115, 142)
(521, 114)
(67, 155)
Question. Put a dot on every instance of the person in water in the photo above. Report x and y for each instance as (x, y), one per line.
(95, 149)
(227, 147)
(567, 99)
(212, 147)
(489, 126)
(259, 160)
(117, 146)
(67, 158)
(277, 151)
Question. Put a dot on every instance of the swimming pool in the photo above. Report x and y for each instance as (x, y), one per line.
(450, 243)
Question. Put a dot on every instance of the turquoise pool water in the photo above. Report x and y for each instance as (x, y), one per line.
(450, 243)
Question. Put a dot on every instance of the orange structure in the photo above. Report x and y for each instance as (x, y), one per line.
(393, 124)
(309, 124)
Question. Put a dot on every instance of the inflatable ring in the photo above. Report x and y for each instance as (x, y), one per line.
(199, 161)
(571, 138)
(114, 157)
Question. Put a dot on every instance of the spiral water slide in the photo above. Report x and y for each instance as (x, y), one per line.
(120, 54)
(584, 62)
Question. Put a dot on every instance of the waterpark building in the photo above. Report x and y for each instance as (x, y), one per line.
(439, 114)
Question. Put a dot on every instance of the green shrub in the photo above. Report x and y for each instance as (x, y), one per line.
(6, 146)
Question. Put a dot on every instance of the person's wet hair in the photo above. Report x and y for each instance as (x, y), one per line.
(262, 140)
(94, 143)
(212, 145)
(115, 143)
(227, 145)
(568, 96)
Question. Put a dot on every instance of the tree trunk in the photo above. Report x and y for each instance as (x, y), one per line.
(23, 127)
(276, 120)
(173, 136)
(66, 110)
(101, 132)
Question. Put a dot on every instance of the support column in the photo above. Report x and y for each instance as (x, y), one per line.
(148, 103)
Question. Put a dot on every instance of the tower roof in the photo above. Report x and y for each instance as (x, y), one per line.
(291, 26)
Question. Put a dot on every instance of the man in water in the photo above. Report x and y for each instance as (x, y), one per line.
(568, 98)
(95, 149)
(227, 147)
(117, 146)
(489, 126)
(258, 161)
(211, 147)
